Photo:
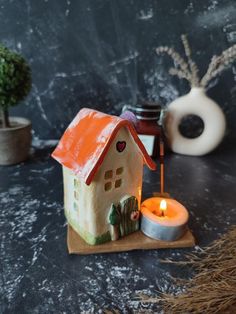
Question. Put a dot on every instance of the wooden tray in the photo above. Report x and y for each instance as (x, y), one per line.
(134, 241)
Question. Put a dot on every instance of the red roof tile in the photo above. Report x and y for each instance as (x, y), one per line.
(86, 141)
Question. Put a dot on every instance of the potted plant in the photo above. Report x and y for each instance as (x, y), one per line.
(15, 84)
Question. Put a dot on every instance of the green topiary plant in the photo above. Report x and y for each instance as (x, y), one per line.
(15, 81)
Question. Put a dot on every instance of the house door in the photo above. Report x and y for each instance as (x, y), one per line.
(129, 219)
(124, 217)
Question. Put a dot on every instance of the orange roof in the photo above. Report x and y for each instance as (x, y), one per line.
(86, 141)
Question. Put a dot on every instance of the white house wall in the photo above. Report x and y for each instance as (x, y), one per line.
(83, 217)
(132, 162)
(93, 201)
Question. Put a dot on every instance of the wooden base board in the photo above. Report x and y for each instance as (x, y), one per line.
(134, 241)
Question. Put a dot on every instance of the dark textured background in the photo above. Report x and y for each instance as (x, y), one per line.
(101, 53)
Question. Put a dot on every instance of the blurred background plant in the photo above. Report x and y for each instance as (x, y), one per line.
(15, 82)
(187, 69)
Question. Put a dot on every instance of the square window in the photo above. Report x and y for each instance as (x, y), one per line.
(75, 183)
(75, 206)
(118, 183)
(76, 196)
(119, 170)
(107, 186)
(108, 174)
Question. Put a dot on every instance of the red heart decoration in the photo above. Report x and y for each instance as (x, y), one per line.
(120, 146)
(134, 215)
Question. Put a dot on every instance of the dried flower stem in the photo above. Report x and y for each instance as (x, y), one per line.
(189, 70)
(182, 66)
(213, 289)
(192, 64)
(178, 73)
(219, 64)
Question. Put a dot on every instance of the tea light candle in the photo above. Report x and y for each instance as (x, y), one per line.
(163, 219)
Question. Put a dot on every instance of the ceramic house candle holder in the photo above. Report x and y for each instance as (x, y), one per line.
(102, 159)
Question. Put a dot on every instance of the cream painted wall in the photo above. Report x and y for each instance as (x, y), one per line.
(94, 201)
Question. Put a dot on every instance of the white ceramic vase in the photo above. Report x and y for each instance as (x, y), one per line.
(196, 103)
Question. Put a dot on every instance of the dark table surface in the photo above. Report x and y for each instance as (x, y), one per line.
(39, 276)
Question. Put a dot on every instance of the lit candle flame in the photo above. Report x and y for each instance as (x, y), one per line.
(163, 207)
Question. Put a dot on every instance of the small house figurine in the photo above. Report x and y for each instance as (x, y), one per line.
(102, 159)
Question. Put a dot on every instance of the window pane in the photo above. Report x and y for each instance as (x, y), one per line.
(75, 183)
(75, 206)
(107, 186)
(118, 183)
(119, 170)
(76, 196)
(108, 174)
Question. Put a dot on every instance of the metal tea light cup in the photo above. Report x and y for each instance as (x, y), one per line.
(170, 227)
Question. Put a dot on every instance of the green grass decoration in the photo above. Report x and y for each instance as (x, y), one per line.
(114, 216)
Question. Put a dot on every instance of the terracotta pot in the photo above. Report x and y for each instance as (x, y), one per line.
(196, 103)
(15, 141)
